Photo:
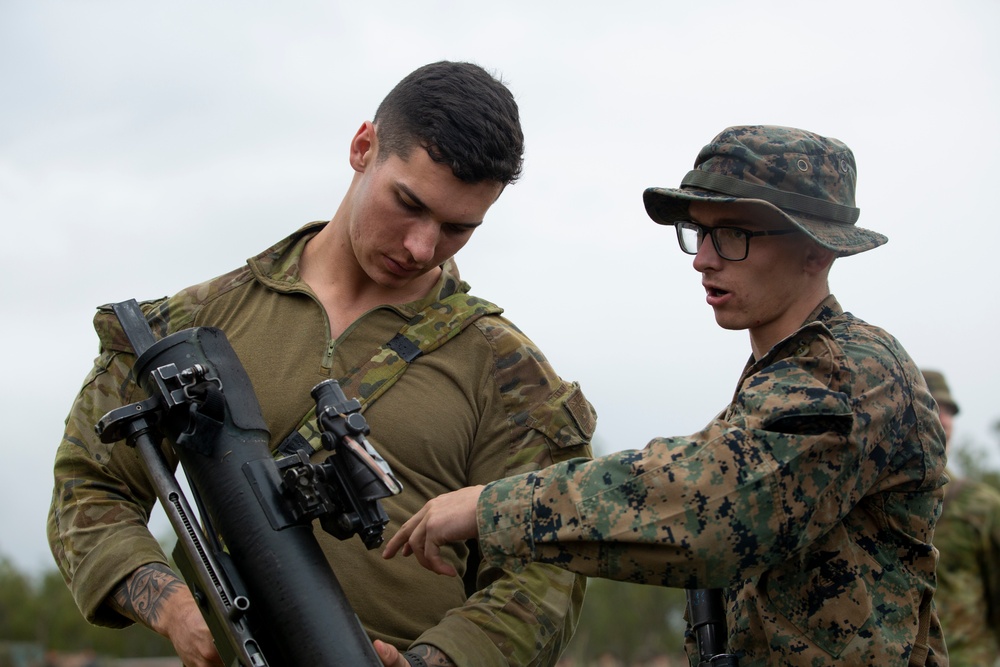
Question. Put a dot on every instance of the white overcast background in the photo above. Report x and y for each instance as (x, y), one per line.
(146, 146)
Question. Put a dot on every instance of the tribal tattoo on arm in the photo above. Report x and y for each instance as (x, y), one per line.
(141, 595)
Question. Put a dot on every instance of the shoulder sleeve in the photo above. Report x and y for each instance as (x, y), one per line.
(547, 419)
(799, 392)
(101, 498)
(110, 334)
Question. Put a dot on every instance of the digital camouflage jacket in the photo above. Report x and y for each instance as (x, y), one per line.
(812, 499)
(484, 405)
(968, 594)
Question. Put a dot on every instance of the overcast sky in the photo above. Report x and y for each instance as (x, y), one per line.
(146, 146)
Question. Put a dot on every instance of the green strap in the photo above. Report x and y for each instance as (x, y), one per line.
(425, 332)
(794, 201)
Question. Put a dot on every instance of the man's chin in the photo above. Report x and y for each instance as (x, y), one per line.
(395, 282)
(728, 322)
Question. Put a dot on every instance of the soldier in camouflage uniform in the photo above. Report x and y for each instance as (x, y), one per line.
(812, 497)
(322, 304)
(968, 539)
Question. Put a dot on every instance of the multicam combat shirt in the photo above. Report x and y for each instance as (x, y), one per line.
(812, 498)
(485, 405)
(968, 593)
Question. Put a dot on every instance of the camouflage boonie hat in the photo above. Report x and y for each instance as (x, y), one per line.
(939, 390)
(808, 178)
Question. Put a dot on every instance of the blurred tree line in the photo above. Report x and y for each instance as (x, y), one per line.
(621, 624)
(629, 624)
(41, 610)
(629, 621)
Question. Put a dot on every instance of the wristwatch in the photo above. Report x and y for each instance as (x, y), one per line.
(414, 659)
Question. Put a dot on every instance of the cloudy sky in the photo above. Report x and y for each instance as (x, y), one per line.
(146, 146)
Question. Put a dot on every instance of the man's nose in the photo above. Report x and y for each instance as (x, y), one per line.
(421, 241)
(707, 257)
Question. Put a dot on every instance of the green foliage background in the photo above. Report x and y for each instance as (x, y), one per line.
(41, 610)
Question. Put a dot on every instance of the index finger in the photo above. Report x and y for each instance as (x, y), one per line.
(402, 536)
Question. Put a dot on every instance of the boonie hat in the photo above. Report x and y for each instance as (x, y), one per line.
(939, 389)
(809, 179)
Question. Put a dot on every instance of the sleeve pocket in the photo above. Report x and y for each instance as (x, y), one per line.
(821, 412)
(567, 420)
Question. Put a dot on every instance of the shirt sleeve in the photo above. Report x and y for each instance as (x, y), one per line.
(523, 617)
(101, 500)
(780, 468)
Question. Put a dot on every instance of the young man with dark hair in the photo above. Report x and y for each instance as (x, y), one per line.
(442, 147)
(443, 111)
(812, 498)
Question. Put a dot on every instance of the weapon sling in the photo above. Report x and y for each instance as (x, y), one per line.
(426, 331)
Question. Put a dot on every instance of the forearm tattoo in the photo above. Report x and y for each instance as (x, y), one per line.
(431, 656)
(142, 593)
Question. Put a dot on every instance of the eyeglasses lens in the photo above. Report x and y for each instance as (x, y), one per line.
(730, 242)
(689, 236)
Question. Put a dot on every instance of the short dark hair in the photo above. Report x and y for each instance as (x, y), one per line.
(462, 115)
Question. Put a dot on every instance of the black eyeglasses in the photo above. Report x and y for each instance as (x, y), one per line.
(732, 243)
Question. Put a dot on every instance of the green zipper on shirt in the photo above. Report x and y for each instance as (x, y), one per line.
(301, 288)
(328, 355)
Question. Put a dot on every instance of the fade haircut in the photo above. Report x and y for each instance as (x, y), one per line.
(461, 115)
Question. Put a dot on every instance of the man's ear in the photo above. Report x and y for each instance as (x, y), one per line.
(818, 259)
(363, 147)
